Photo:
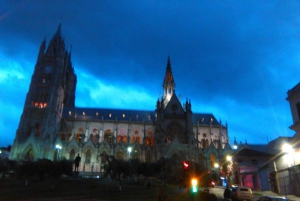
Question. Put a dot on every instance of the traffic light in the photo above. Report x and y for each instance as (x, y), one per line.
(194, 187)
(185, 165)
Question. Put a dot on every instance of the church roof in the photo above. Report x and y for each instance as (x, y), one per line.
(109, 114)
(128, 114)
(251, 152)
(204, 118)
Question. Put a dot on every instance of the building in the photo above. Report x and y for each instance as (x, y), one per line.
(285, 168)
(4, 153)
(52, 127)
(248, 168)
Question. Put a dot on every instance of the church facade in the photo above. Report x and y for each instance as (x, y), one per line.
(52, 127)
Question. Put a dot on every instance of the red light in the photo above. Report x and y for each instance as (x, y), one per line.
(185, 165)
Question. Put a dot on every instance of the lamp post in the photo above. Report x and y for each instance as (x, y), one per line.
(58, 147)
(129, 149)
(288, 149)
(229, 169)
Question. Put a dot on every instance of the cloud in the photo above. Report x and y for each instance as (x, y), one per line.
(93, 91)
(233, 59)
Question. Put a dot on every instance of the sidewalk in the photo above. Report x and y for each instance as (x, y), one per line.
(270, 193)
(289, 197)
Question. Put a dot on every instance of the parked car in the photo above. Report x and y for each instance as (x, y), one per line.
(272, 198)
(241, 193)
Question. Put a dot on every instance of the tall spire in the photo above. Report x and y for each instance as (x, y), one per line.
(56, 46)
(169, 76)
(42, 49)
(169, 84)
(58, 32)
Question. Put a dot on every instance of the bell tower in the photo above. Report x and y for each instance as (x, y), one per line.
(52, 87)
(168, 84)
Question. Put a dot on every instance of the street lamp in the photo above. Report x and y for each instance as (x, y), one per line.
(288, 149)
(129, 149)
(229, 158)
(58, 147)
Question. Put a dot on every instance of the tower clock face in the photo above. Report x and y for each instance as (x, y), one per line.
(48, 69)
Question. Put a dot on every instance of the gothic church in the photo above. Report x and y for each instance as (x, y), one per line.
(52, 127)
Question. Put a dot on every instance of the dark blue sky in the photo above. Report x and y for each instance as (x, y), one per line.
(235, 59)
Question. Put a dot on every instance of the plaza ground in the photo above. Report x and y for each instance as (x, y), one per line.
(86, 189)
(81, 189)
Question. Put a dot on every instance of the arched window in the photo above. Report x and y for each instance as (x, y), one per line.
(152, 141)
(148, 157)
(88, 155)
(120, 155)
(119, 138)
(29, 155)
(103, 157)
(136, 138)
(108, 135)
(124, 139)
(72, 155)
(136, 154)
(79, 134)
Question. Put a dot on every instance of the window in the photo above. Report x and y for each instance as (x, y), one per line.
(29, 155)
(88, 155)
(148, 157)
(40, 104)
(108, 135)
(72, 155)
(120, 155)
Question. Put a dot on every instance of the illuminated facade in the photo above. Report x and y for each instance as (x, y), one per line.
(50, 118)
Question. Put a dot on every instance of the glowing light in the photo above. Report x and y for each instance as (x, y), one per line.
(58, 146)
(229, 158)
(287, 148)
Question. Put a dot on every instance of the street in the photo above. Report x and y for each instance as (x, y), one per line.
(219, 190)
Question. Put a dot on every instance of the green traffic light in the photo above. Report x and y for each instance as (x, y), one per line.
(194, 189)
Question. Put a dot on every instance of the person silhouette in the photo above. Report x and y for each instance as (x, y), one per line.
(77, 161)
(227, 193)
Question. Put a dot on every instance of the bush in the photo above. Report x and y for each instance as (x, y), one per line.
(43, 167)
